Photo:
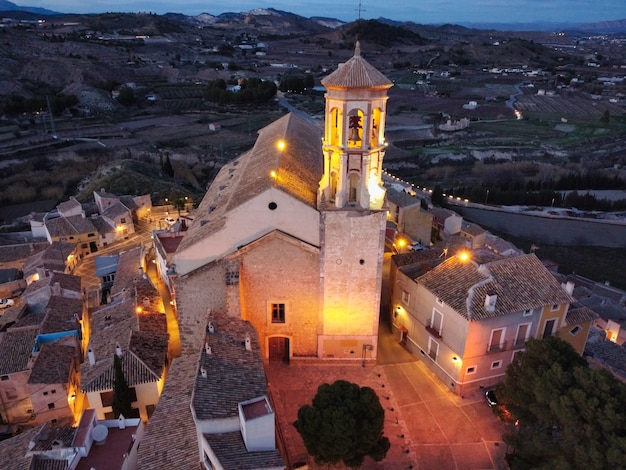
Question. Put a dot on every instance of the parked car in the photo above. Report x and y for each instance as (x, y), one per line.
(415, 246)
(170, 220)
(6, 303)
(492, 399)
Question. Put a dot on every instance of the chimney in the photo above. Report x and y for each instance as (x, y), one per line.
(118, 350)
(490, 302)
(203, 372)
(569, 287)
(248, 342)
(91, 357)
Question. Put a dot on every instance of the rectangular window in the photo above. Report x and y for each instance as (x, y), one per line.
(45, 393)
(11, 393)
(123, 220)
(574, 331)
(433, 348)
(496, 365)
(521, 336)
(83, 245)
(405, 297)
(4, 377)
(515, 353)
(554, 308)
(496, 342)
(471, 370)
(528, 312)
(91, 234)
(439, 301)
(278, 313)
(50, 406)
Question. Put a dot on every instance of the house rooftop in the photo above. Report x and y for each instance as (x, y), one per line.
(53, 364)
(61, 314)
(16, 347)
(231, 451)
(520, 283)
(217, 396)
(128, 270)
(298, 169)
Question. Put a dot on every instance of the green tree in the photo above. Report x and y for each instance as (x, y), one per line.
(126, 96)
(567, 415)
(122, 398)
(179, 205)
(344, 423)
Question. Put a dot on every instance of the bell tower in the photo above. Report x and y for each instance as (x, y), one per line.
(353, 215)
(354, 135)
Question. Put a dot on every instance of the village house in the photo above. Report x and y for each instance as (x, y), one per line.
(60, 257)
(467, 317)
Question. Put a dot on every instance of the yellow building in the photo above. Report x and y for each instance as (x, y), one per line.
(290, 235)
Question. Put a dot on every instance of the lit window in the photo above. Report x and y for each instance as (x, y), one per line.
(278, 313)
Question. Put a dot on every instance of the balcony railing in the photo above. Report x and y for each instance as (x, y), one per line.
(432, 330)
(493, 348)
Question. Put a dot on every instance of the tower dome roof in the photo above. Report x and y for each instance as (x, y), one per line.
(356, 73)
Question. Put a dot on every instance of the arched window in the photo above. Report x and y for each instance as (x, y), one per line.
(355, 128)
(335, 126)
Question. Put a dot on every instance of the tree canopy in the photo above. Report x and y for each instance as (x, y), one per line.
(567, 415)
(344, 423)
(122, 398)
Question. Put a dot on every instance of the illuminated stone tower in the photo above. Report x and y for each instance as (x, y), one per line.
(351, 201)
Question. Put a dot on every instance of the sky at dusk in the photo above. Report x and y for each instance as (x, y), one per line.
(419, 11)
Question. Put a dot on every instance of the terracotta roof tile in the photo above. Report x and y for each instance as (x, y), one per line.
(16, 346)
(520, 283)
(233, 455)
(13, 451)
(298, 170)
(170, 440)
(218, 395)
(53, 364)
(356, 73)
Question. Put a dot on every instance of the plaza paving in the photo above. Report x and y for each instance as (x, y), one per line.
(429, 427)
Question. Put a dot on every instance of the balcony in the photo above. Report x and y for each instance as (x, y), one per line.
(494, 348)
(432, 330)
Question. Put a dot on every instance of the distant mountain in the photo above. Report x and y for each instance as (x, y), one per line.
(264, 20)
(607, 27)
(10, 6)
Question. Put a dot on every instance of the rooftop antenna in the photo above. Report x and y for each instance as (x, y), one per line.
(359, 10)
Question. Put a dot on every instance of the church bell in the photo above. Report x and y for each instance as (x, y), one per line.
(354, 134)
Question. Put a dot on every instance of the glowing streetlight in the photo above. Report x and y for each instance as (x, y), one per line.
(281, 144)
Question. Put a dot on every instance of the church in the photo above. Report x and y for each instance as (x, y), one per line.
(290, 235)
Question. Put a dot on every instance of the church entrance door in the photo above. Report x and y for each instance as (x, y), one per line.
(279, 349)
